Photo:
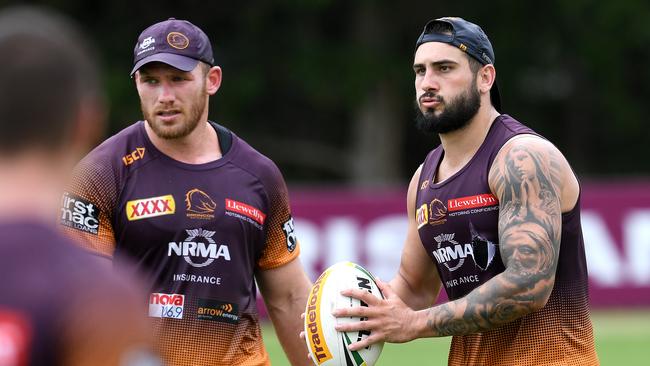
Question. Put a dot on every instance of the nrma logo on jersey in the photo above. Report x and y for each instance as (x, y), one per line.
(451, 256)
(166, 305)
(79, 214)
(199, 249)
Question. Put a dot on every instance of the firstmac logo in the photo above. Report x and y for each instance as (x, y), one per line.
(150, 207)
(79, 213)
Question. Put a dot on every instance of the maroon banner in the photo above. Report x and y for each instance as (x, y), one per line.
(369, 227)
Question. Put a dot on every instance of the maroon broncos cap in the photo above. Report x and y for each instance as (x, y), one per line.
(177, 43)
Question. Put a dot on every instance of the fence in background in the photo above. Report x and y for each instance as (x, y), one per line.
(368, 227)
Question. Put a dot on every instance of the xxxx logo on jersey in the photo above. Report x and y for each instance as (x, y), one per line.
(150, 207)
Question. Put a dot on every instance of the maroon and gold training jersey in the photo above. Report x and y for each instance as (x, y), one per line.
(201, 231)
(458, 226)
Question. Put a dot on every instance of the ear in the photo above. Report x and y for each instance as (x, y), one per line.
(213, 80)
(486, 77)
(136, 79)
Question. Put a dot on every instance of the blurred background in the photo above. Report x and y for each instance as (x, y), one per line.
(325, 89)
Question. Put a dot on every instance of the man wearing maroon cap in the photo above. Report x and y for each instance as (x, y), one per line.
(203, 213)
(494, 217)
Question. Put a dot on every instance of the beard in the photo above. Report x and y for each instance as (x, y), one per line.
(187, 121)
(456, 115)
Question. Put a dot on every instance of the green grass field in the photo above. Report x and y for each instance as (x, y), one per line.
(622, 338)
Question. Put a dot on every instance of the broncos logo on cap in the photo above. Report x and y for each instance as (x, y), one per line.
(178, 40)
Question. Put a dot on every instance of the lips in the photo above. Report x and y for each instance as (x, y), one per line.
(430, 101)
(168, 115)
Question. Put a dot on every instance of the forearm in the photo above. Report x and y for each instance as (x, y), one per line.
(503, 299)
(285, 315)
(416, 300)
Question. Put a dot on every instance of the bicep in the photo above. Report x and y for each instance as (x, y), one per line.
(526, 177)
(417, 282)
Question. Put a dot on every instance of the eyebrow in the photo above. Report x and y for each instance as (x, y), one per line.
(436, 63)
(144, 72)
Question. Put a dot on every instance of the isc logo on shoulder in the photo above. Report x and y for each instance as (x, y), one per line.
(166, 305)
(134, 155)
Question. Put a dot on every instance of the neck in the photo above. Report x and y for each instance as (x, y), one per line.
(461, 145)
(199, 147)
(31, 187)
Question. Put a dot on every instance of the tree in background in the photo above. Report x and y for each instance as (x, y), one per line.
(325, 87)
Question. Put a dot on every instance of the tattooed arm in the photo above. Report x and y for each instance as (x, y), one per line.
(534, 184)
(527, 176)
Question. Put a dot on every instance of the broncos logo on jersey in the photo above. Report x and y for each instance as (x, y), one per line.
(199, 204)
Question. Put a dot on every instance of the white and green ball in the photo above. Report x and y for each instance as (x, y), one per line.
(328, 347)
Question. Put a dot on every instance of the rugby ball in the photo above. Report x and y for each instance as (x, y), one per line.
(328, 347)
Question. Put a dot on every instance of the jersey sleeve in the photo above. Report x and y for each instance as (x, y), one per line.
(281, 246)
(88, 203)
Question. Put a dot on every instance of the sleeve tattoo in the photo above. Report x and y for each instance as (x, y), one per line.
(527, 180)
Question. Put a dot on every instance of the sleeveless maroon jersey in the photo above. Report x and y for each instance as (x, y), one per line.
(458, 226)
(201, 231)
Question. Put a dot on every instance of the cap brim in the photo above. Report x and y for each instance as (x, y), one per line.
(180, 62)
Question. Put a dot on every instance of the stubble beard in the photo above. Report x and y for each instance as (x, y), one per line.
(182, 128)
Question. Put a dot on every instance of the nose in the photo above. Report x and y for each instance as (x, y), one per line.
(166, 94)
(429, 82)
